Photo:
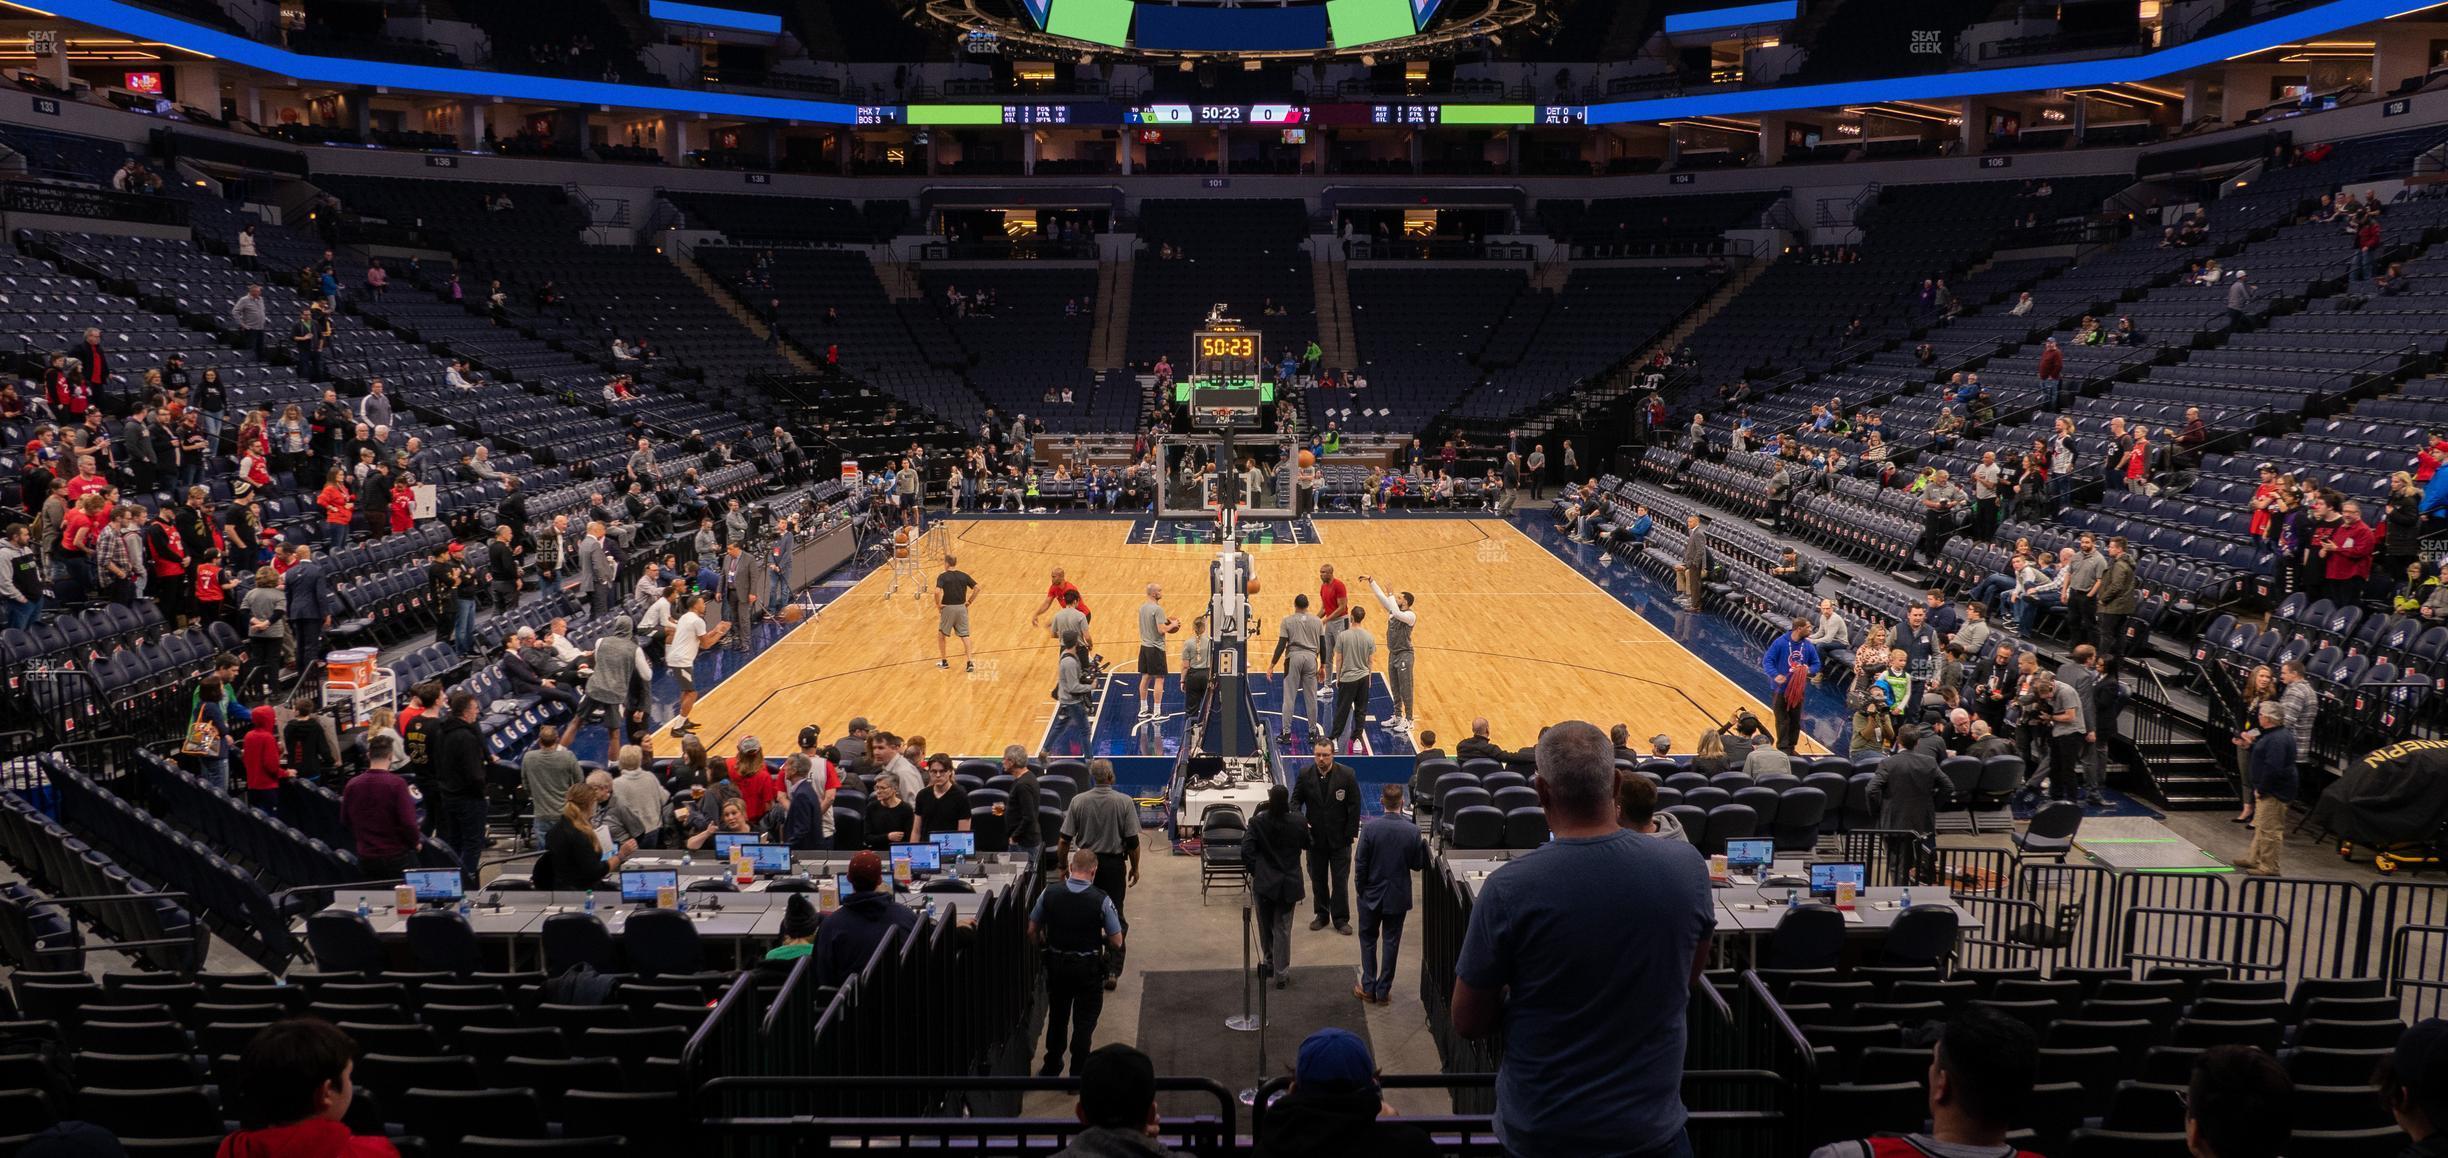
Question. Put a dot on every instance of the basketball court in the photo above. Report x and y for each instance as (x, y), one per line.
(1507, 631)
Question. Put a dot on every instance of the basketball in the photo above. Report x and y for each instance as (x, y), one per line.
(792, 612)
(1250, 586)
(1308, 459)
(1172, 626)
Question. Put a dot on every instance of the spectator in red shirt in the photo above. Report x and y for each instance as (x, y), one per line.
(2348, 553)
(339, 509)
(97, 363)
(80, 530)
(262, 757)
(88, 480)
(2367, 246)
(758, 787)
(2427, 460)
(293, 1093)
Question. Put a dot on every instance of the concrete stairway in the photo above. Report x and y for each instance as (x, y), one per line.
(738, 309)
(1109, 342)
(900, 279)
(1330, 282)
(1732, 288)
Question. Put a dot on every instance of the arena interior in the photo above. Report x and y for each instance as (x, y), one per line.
(1056, 577)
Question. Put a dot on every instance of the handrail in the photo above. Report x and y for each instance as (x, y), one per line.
(2413, 349)
(1779, 1044)
(197, 945)
(808, 1130)
(2131, 926)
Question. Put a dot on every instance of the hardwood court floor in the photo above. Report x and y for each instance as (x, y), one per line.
(1506, 630)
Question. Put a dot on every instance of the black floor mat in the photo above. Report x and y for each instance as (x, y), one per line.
(1181, 1024)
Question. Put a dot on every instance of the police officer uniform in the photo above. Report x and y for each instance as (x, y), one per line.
(1075, 920)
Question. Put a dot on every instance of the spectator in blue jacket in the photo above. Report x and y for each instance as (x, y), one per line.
(2270, 766)
(311, 604)
(802, 806)
(1791, 663)
(1389, 851)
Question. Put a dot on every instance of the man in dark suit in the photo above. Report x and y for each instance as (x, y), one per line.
(1328, 795)
(1479, 747)
(311, 605)
(1390, 851)
(1908, 788)
(512, 513)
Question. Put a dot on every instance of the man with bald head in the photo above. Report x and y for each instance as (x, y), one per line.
(1583, 955)
(1154, 625)
(1478, 746)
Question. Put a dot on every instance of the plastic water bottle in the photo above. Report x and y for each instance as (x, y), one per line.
(1793, 900)
(590, 900)
(467, 907)
(363, 909)
(1904, 901)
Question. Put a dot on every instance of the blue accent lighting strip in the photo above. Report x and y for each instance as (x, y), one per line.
(1736, 17)
(733, 18)
(151, 25)
(2302, 25)
(2305, 24)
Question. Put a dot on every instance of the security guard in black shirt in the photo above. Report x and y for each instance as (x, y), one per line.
(1074, 922)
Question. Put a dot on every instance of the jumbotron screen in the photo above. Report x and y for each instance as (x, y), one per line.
(1340, 24)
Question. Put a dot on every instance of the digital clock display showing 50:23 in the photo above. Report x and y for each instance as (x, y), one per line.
(1228, 347)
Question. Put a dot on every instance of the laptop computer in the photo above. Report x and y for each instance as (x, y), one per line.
(435, 886)
(639, 886)
(1748, 857)
(922, 858)
(1825, 877)
(768, 859)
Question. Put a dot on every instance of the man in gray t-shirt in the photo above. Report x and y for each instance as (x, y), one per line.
(1154, 625)
(2066, 725)
(1582, 954)
(1299, 641)
(1354, 650)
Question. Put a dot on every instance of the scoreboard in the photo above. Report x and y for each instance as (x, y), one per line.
(1226, 357)
(1225, 389)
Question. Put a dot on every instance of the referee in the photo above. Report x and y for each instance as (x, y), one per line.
(1105, 822)
(954, 591)
(1074, 923)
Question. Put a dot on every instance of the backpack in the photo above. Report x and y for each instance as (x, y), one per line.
(579, 984)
